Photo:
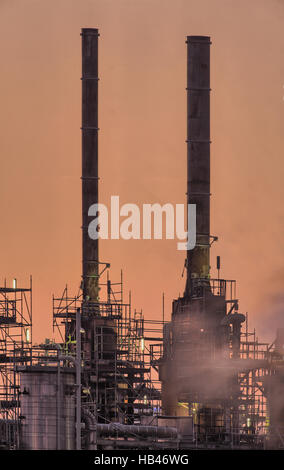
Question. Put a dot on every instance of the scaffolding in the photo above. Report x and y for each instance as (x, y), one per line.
(236, 413)
(120, 382)
(253, 413)
(124, 385)
(15, 350)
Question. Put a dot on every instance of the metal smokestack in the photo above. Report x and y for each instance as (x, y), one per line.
(198, 154)
(90, 248)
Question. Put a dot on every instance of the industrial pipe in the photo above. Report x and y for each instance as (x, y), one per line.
(124, 430)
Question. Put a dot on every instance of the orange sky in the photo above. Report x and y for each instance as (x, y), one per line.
(142, 150)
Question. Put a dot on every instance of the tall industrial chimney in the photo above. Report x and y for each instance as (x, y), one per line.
(90, 248)
(198, 154)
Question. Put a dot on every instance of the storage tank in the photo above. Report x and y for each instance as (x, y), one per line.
(47, 398)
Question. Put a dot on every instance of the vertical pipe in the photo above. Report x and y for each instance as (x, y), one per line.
(121, 282)
(198, 153)
(58, 409)
(78, 379)
(31, 319)
(90, 247)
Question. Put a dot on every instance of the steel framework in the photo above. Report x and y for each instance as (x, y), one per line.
(15, 350)
(120, 384)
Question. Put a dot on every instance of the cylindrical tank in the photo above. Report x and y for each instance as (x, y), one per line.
(47, 408)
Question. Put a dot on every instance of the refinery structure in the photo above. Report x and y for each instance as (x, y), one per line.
(116, 380)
